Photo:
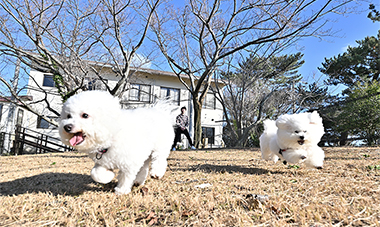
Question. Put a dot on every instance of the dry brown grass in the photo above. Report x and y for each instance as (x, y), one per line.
(56, 189)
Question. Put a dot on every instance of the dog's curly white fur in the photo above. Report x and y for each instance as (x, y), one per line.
(128, 140)
(295, 138)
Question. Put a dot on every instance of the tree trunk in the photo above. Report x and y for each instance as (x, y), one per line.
(244, 137)
(197, 122)
(343, 139)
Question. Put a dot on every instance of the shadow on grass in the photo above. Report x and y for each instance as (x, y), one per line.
(208, 168)
(54, 183)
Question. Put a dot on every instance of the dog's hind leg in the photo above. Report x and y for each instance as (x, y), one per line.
(268, 155)
(141, 175)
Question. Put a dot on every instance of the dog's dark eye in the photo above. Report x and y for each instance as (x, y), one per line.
(297, 132)
(68, 116)
(84, 115)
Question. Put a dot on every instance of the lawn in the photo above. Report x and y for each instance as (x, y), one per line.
(227, 187)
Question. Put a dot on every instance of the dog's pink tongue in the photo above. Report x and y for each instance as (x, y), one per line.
(76, 139)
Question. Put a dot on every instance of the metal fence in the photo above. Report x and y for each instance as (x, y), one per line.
(27, 141)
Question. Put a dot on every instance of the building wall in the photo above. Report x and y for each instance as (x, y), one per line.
(6, 120)
(51, 94)
(8, 123)
(211, 118)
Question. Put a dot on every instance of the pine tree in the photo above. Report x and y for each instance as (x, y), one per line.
(356, 113)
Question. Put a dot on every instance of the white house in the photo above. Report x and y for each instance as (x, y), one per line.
(144, 87)
(10, 116)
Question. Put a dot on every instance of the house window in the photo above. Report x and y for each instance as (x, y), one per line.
(209, 101)
(173, 93)
(48, 81)
(20, 116)
(140, 93)
(95, 84)
(209, 133)
(42, 123)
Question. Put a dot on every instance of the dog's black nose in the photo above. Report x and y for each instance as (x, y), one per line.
(68, 127)
(302, 137)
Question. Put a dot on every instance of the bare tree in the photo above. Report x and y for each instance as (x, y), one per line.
(259, 88)
(75, 39)
(198, 37)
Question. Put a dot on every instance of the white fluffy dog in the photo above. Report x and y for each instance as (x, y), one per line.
(294, 138)
(128, 140)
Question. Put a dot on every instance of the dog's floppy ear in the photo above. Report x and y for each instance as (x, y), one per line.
(315, 118)
(282, 122)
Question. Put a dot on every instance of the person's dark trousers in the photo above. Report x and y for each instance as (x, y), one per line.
(177, 138)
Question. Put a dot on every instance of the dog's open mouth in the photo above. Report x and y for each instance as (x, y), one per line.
(77, 139)
(301, 142)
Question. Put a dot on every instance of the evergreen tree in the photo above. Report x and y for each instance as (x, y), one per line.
(355, 113)
(357, 64)
(361, 116)
(374, 15)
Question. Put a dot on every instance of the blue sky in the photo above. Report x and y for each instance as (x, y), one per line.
(346, 28)
(349, 28)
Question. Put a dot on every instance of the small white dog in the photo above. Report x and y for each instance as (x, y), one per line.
(294, 138)
(128, 140)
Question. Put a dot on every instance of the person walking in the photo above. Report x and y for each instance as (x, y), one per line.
(182, 122)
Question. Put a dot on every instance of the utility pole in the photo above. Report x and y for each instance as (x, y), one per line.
(10, 126)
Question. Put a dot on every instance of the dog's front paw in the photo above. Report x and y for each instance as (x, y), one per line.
(102, 175)
(157, 173)
(122, 191)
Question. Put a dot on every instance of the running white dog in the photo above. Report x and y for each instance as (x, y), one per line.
(294, 138)
(128, 140)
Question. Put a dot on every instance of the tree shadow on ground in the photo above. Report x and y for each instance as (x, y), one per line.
(54, 183)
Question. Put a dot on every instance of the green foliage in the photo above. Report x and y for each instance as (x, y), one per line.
(59, 81)
(361, 116)
(358, 64)
(356, 113)
(311, 95)
(279, 69)
(374, 15)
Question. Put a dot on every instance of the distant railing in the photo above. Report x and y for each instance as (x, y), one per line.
(37, 142)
